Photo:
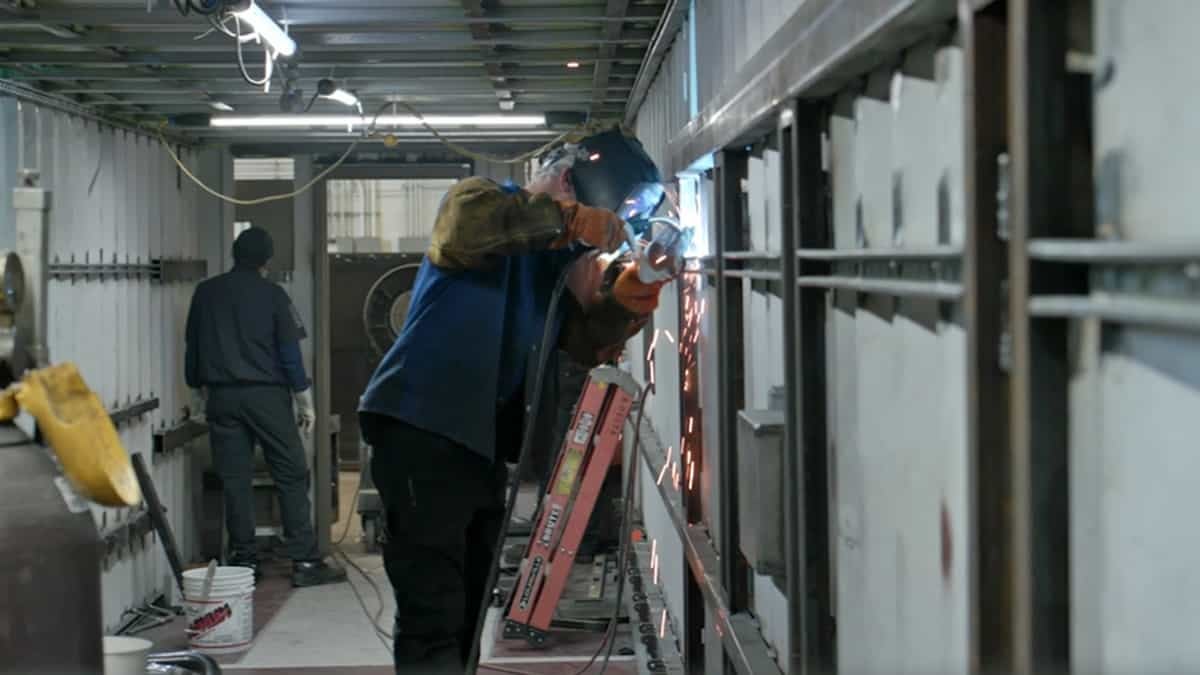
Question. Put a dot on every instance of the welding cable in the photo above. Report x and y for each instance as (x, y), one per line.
(610, 635)
(261, 200)
(482, 156)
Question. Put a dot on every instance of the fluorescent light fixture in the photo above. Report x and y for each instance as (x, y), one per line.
(572, 64)
(320, 121)
(266, 28)
(220, 105)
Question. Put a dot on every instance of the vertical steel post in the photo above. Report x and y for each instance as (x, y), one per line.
(809, 227)
(731, 170)
(985, 121)
(1040, 371)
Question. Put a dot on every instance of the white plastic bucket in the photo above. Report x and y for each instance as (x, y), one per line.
(224, 621)
(125, 655)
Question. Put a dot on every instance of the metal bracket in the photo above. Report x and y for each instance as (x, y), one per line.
(132, 410)
(160, 270)
(167, 440)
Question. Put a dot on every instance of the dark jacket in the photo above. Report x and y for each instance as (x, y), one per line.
(243, 329)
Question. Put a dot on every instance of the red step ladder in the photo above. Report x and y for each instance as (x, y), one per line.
(592, 443)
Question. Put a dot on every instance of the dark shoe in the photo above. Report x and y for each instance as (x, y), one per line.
(316, 573)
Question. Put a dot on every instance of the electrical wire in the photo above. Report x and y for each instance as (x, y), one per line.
(268, 61)
(370, 132)
(261, 200)
(481, 156)
(182, 7)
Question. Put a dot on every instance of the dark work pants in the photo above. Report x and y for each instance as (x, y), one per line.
(445, 507)
(238, 417)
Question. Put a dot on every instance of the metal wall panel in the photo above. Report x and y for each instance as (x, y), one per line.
(897, 382)
(1134, 392)
(117, 196)
(665, 110)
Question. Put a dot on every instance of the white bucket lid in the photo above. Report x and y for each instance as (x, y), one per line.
(222, 574)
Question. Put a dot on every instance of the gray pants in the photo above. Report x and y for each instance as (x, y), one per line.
(238, 417)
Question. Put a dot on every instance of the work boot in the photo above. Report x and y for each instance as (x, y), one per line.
(315, 573)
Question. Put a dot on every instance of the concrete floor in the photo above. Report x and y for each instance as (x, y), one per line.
(329, 629)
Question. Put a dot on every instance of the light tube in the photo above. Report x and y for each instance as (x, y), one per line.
(319, 121)
(267, 29)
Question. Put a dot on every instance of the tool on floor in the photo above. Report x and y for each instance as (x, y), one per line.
(158, 518)
(592, 443)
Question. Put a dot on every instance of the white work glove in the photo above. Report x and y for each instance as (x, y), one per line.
(199, 403)
(306, 412)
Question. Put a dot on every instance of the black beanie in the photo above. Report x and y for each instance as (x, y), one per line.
(253, 247)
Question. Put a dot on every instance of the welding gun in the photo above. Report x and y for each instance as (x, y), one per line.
(658, 246)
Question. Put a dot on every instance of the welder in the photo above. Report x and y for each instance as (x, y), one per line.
(445, 408)
(243, 363)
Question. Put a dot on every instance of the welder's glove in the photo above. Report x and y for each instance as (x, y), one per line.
(306, 413)
(199, 403)
(77, 427)
(633, 294)
(595, 227)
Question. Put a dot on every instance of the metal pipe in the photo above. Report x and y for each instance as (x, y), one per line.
(937, 290)
(760, 275)
(751, 255)
(1092, 251)
(1173, 314)
(189, 660)
(928, 253)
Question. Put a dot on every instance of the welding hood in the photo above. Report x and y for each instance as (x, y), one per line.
(614, 172)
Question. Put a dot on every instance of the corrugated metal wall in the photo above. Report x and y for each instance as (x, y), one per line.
(713, 45)
(117, 196)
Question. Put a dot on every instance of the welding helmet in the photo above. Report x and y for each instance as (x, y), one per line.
(613, 171)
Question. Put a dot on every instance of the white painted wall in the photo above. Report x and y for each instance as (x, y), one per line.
(897, 392)
(1135, 393)
(117, 194)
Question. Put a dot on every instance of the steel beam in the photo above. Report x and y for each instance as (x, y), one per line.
(365, 59)
(1040, 207)
(384, 81)
(302, 18)
(985, 93)
(731, 170)
(325, 42)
